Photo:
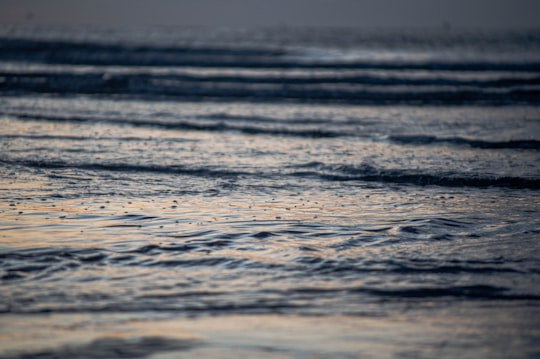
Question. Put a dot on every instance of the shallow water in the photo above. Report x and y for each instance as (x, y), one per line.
(196, 193)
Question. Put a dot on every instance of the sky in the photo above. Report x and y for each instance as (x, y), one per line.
(246, 13)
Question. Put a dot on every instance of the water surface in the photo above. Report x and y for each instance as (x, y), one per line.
(269, 193)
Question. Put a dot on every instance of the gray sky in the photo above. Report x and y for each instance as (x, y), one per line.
(358, 13)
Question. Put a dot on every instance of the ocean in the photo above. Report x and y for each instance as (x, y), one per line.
(269, 193)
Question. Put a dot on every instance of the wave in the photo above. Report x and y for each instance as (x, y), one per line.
(121, 167)
(218, 125)
(368, 173)
(222, 122)
(156, 88)
(311, 78)
(112, 347)
(88, 53)
(77, 51)
(32, 265)
(20, 263)
(481, 292)
(486, 292)
(339, 173)
(89, 138)
(428, 140)
(324, 93)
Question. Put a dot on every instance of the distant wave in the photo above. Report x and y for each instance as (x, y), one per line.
(354, 90)
(311, 87)
(88, 53)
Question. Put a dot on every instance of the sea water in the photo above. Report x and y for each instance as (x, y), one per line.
(278, 192)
